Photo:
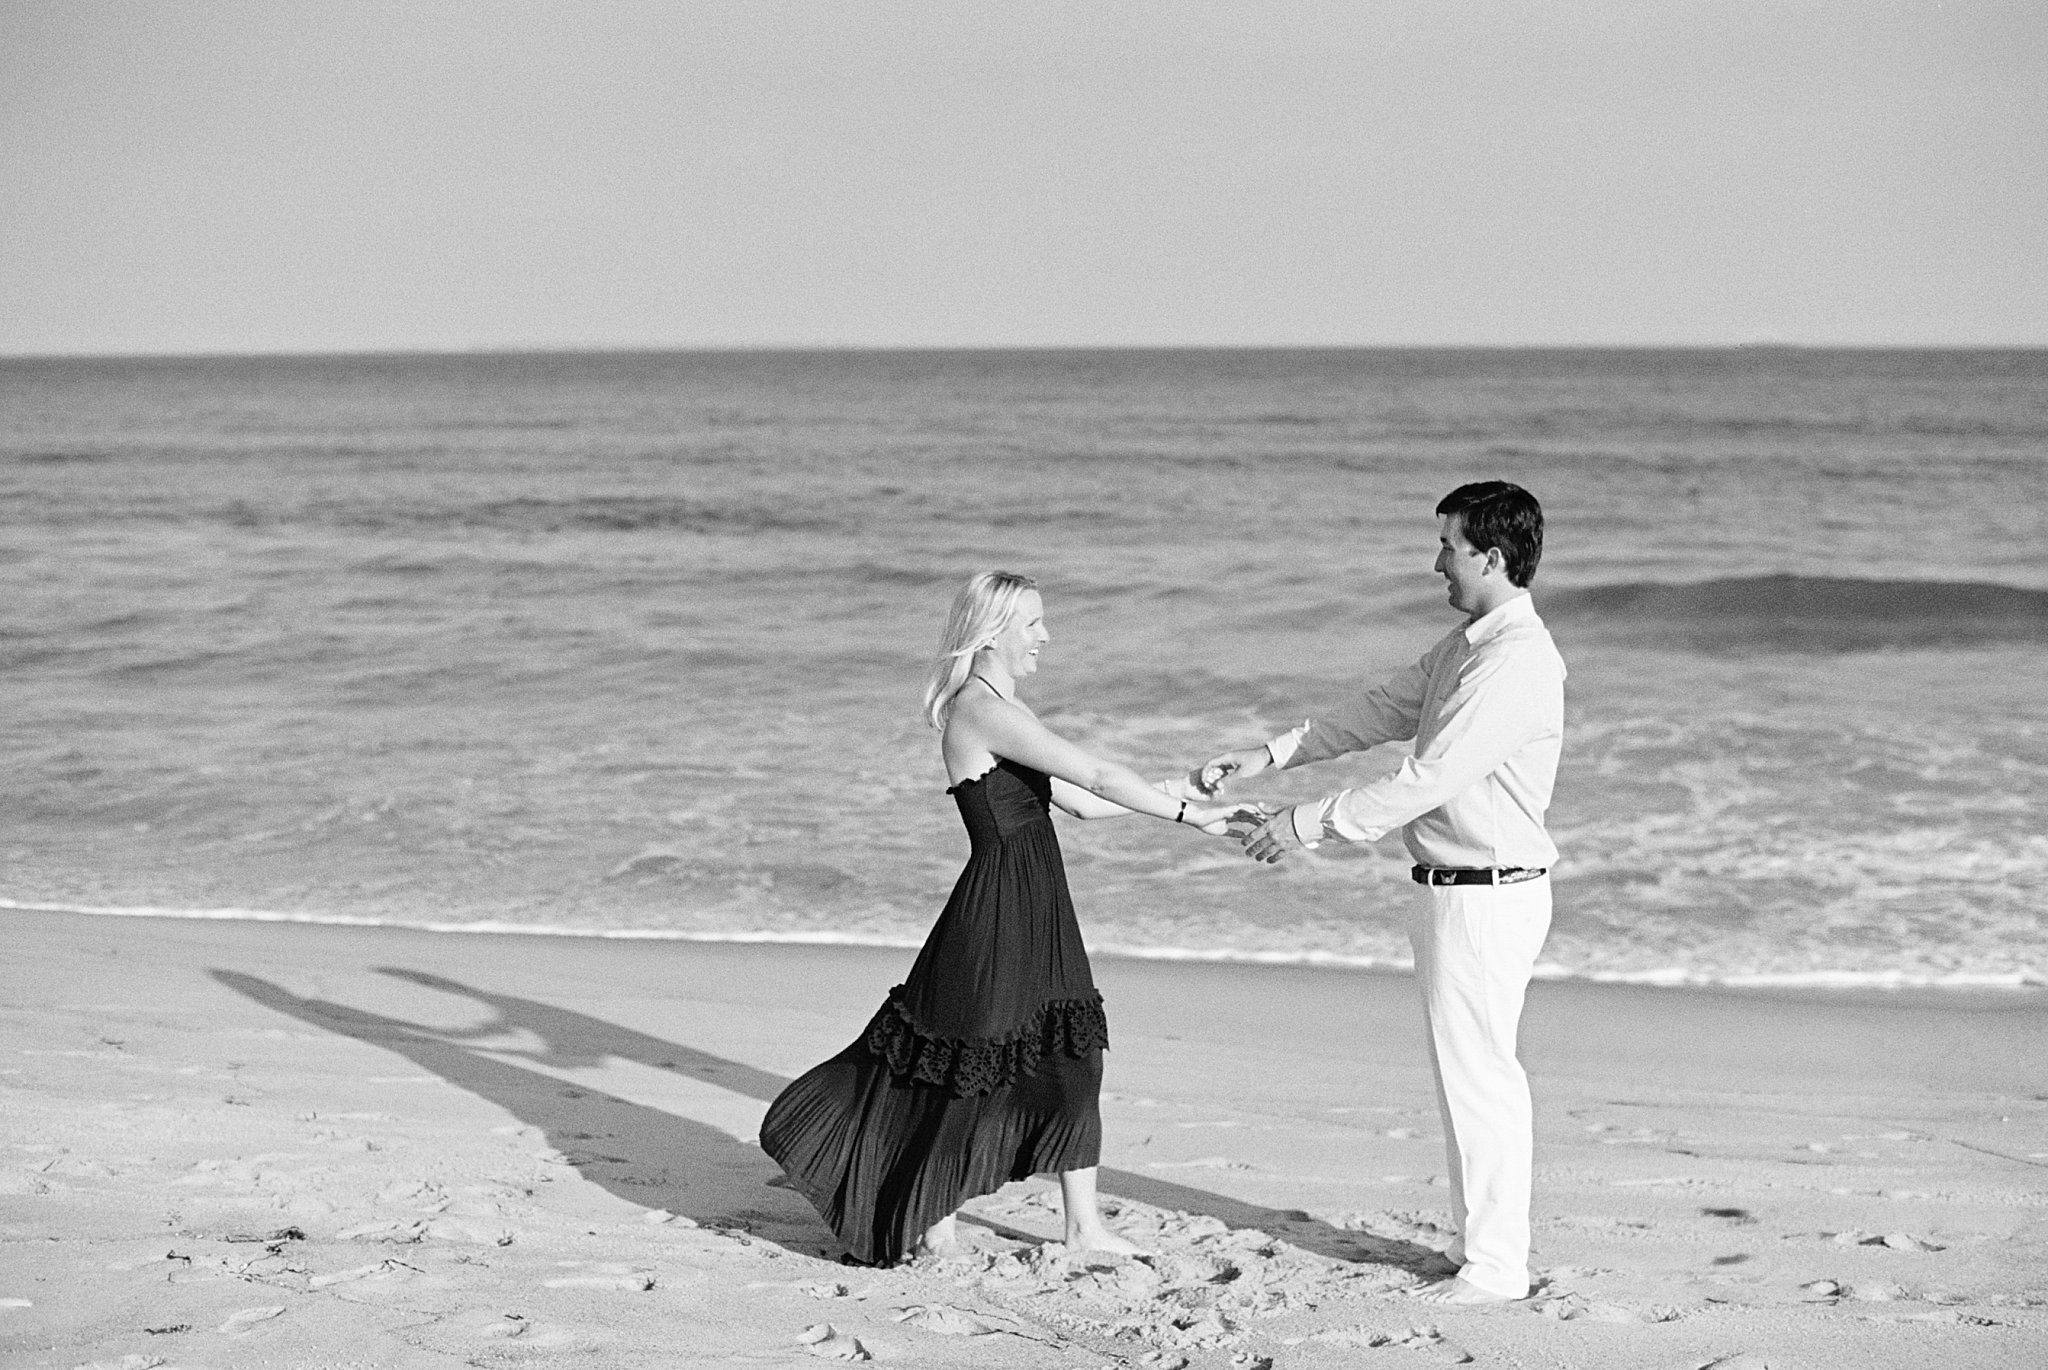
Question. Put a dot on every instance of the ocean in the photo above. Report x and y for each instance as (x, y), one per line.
(631, 644)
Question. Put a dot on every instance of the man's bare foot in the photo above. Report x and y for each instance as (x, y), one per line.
(1104, 1242)
(1456, 1291)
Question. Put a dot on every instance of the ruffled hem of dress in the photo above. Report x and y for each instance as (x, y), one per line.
(968, 1066)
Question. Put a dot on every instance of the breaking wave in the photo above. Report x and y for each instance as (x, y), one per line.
(1791, 613)
(1662, 978)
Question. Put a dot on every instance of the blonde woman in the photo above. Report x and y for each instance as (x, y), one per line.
(984, 1066)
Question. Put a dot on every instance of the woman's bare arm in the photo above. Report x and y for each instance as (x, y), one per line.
(1101, 787)
(1071, 798)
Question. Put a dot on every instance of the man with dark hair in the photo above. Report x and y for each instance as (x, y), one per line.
(1485, 710)
(1494, 513)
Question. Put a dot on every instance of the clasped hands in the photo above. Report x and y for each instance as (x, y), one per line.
(1252, 823)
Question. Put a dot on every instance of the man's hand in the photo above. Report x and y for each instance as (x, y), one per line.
(1245, 819)
(1209, 779)
(1273, 838)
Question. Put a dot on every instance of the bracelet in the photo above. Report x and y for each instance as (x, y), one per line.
(1183, 812)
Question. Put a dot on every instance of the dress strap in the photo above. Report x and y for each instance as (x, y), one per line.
(992, 689)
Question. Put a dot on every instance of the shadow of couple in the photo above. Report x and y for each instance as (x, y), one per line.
(656, 1158)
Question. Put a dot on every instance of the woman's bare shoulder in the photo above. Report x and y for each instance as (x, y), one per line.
(986, 703)
(976, 716)
(965, 716)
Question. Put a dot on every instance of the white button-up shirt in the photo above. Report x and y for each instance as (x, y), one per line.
(1485, 708)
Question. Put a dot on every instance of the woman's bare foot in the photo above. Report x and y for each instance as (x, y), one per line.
(941, 1239)
(1085, 1228)
(1101, 1239)
(1456, 1291)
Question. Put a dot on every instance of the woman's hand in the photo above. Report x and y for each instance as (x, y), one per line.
(1210, 776)
(1228, 820)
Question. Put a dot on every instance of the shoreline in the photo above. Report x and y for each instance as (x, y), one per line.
(1888, 983)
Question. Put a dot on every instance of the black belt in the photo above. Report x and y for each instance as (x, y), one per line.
(1475, 875)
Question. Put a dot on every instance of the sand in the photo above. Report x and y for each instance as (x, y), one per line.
(242, 1144)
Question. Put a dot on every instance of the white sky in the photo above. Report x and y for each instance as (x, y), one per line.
(195, 175)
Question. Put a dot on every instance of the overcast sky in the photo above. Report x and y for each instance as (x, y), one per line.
(192, 175)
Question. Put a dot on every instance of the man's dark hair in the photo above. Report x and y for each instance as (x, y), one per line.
(1498, 513)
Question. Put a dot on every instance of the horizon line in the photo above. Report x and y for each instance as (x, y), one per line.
(815, 349)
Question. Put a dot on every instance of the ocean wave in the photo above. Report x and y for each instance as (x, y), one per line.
(1792, 613)
(61, 458)
(586, 514)
(596, 513)
(1673, 977)
(1678, 977)
(912, 577)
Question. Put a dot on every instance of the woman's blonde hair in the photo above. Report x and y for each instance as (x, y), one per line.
(979, 612)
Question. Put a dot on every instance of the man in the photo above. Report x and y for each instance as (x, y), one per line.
(1485, 709)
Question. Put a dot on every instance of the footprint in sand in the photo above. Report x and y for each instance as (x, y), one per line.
(564, 1338)
(496, 1326)
(470, 1230)
(1906, 1241)
(948, 1321)
(1575, 1308)
(611, 1275)
(1875, 1291)
(1949, 1317)
(824, 1340)
(382, 1230)
(1896, 1241)
(385, 1269)
(1424, 1339)
(241, 1322)
(824, 1289)
(417, 1194)
(815, 1289)
(530, 1335)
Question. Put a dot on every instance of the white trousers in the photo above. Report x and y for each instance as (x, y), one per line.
(1475, 946)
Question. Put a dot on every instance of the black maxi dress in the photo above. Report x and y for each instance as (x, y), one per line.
(985, 1066)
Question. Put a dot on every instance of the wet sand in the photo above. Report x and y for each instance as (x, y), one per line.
(239, 1144)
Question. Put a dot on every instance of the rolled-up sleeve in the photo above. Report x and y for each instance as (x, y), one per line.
(1502, 701)
(1388, 712)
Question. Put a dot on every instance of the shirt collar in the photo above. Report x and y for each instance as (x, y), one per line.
(1520, 609)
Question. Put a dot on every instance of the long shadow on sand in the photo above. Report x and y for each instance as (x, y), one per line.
(647, 1156)
(657, 1159)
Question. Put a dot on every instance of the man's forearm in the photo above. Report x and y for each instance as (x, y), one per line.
(1388, 712)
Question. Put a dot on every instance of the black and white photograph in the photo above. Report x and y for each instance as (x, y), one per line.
(1079, 686)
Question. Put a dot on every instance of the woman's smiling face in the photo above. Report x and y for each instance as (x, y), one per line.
(1016, 645)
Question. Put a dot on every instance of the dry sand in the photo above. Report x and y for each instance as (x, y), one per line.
(240, 1144)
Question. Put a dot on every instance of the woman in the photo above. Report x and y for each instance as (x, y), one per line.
(985, 1066)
